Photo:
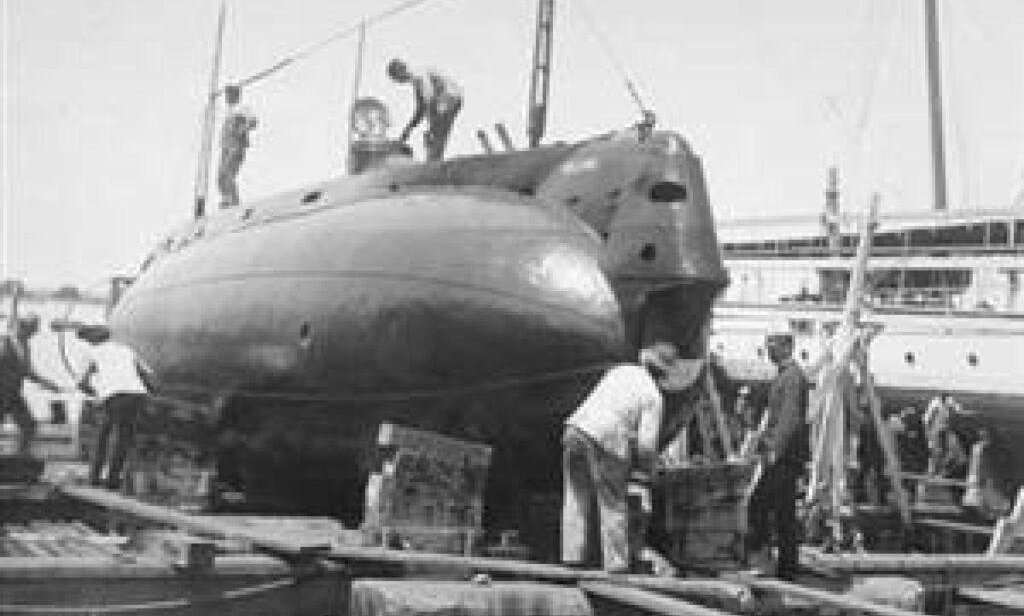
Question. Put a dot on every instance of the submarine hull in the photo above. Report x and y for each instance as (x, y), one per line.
(481, 316)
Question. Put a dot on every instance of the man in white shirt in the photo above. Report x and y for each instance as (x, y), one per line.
(617, 424)
(438, 98)
(117, 377)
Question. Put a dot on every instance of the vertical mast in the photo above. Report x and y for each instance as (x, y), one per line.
(541, 74)
(935, 106)
(202, 186)
(356, 84)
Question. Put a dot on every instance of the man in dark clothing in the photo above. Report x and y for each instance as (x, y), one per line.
(15, 368)
(234, 141)
(786, 449)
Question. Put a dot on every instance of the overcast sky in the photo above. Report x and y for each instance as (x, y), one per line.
(102, 101)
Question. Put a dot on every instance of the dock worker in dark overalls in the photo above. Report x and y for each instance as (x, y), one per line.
(118, 378)
(785, 448)
(438, 98)
(234, 141)
(16, 367)
(611, 440)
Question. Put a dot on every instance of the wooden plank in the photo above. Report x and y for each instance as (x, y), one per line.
(823, 597)
(1000, 597)
(910, 564)
(645, 600)
(1008, 528)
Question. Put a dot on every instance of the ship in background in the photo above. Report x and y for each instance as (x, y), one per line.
(945, 289)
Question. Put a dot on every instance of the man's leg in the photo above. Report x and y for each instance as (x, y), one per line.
(610, 477)
(128, 407)
(99, 457)
(786, 525)
(227, 174)
(26, 425)
(577, 507)
(436, 137)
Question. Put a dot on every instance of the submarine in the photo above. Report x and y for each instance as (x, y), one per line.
(480, 297)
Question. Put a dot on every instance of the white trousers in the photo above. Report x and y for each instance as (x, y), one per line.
(594, 511)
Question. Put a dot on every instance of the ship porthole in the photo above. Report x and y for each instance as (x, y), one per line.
(648, 252)
(909, 358)
(972, 359)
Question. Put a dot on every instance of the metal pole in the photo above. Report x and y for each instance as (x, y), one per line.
(540, 77)
(202, 186)
(935, 106)
(358, 78)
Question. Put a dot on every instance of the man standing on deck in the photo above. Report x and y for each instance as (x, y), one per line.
(437, 97)
(234, 141)
(619, 422)
(118, 377)
(786, 449)
(16, 367)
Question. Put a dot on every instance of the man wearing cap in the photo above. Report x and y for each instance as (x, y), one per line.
(438, 98)
(613, 432)
(16, 367)
(118, 377)
(786, 449)
(234, 141)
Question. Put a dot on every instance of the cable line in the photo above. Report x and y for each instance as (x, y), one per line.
(305, 52)
(604, 43)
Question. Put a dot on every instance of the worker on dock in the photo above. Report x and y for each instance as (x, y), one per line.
(785, 449)
(619, 422)
(118, 377)
(438, 98)
(16, 367)
(234, 141)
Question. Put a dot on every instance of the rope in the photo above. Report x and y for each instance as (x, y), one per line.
(305, 52)
(604, 43)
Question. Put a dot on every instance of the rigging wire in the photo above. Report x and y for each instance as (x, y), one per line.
(605, 44)
(305, 52)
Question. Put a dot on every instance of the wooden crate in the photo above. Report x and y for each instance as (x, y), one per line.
(706, 513)
(428, 490)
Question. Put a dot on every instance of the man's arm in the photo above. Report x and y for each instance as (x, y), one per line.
(145, 373)
(418, 113)
(651, 413)
(85, 382)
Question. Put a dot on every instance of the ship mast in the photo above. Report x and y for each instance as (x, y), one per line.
(541, 75)
(935, 107)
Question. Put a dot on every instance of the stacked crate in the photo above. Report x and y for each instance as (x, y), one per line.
(172, 462)
(706, 513)
(427, 492)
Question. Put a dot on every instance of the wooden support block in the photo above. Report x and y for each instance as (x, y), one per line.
(645, 601)
(1008, 528)
(441, 598)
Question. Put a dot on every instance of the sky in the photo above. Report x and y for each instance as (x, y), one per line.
(102, 102)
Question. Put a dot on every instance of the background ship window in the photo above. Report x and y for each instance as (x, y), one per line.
(648, 252)
(802, 326)
(998, 233)
(972, 359)
(667, 192)
(909, 358)
(312, 196)
(760, 351)
(804, 355)
(1018, 232)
